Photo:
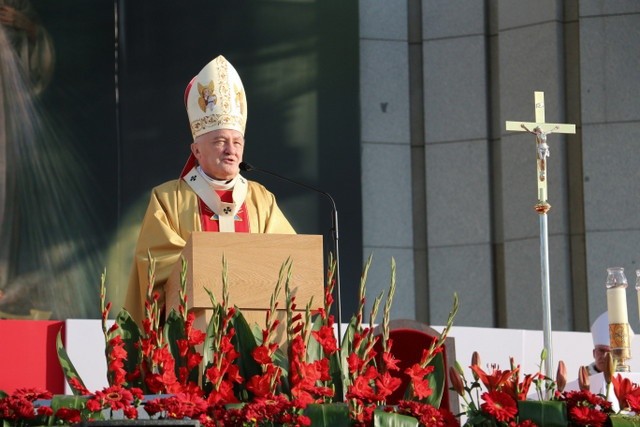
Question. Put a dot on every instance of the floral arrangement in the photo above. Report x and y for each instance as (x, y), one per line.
(498, 397)
(233, 375)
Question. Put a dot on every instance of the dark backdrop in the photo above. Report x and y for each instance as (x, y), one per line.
(117, 95)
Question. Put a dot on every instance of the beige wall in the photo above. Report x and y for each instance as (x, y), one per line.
(449, 193)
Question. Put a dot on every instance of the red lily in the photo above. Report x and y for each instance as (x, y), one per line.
(493, 381)
(624, 388)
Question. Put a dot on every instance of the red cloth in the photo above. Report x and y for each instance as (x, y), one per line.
(28, 356)
(208, 224)
(407, 347)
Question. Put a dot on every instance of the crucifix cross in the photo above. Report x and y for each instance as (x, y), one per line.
(541, 129)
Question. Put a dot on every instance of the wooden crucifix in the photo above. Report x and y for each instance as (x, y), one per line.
(541, 130)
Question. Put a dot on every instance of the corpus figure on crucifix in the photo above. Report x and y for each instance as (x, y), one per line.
(542, 149)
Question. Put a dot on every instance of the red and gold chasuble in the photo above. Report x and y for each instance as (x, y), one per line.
(209, 220)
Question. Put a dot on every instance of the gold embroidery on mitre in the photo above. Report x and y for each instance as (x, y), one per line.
(218, 99)
(239, 98)
(216, 121)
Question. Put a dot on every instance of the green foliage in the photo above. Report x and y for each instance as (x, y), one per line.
(334, 415)
(130, 332)
(436, 381)
(625, 420)
(70, 372)
(244, 342)
(548, 413)
(389, 419)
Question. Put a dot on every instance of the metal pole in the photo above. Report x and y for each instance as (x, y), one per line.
(546, 297)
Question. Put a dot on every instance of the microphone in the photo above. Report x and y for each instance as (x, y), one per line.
(246, 167)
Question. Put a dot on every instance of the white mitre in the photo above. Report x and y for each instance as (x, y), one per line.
(215, 99)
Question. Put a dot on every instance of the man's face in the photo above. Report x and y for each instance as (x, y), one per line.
(600, 356)
(219, 153)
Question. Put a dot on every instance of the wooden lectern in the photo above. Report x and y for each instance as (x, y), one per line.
(254, 262)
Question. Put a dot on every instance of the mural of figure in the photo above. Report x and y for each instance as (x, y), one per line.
(26, 66)
(50, 241)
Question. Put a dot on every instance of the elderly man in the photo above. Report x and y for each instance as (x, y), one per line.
(600, 335)
(210, 195)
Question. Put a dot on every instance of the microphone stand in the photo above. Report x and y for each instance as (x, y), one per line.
(334, 234)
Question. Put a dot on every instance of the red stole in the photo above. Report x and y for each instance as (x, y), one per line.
(208, 224)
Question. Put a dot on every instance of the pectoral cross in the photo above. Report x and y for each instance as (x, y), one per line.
(541, 130)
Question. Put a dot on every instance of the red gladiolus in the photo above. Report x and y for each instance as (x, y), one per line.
(193, 360)
(115, 361)
(386, 385)
(421, 388)
(499, 405)
(419, 382)
(262, 355)
(260, 385)
(326, 339)
(361, 389)
(390, 362)
(183, 347)
(75, 384)
(355, 363)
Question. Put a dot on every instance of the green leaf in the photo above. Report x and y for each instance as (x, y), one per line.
(281, 360)
(436, 381)
(548, 413)
(391, 419)
(68, 369)
(346, 348)
(328, 415)
(314, 349)
(174, 332)
(245, 343)
(207, 347)
(625, 421)
(336, 376)
(75, 402)
(72, 402)
(130, 333)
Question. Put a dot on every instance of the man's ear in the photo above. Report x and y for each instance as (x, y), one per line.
(195, 149)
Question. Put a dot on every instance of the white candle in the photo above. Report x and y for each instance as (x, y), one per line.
(617, 305)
